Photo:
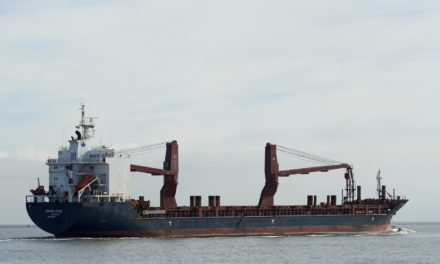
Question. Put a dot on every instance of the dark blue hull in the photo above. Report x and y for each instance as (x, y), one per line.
(120, 219)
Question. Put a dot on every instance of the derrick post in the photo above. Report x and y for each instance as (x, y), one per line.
(171, 163)
(271, 169)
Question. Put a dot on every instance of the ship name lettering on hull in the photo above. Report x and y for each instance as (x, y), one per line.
(52, 213)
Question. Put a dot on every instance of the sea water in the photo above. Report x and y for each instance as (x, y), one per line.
(412, 243)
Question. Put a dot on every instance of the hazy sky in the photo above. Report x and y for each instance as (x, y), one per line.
(356, 81)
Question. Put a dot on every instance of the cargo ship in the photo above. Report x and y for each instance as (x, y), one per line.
(88, 195)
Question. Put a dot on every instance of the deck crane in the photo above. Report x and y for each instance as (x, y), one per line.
(170, 169)
(272, 172)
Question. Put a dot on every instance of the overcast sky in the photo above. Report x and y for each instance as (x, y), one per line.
(355, 81)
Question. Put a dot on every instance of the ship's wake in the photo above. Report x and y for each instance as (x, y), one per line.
(399, 231)
(394, 231)
(52, 238)
(25, 238)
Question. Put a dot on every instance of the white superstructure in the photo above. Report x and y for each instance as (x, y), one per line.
(85, 171)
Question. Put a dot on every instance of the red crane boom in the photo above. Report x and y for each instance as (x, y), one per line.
(286, 173)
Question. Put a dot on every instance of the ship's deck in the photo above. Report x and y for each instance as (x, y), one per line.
(364, 207)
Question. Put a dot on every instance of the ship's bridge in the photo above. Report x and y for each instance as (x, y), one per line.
(81, 168)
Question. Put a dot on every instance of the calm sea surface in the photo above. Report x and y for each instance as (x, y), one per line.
(416, 243)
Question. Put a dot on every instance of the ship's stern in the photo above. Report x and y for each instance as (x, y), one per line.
(54, 217)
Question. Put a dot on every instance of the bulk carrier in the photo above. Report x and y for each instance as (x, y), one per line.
(88, 195)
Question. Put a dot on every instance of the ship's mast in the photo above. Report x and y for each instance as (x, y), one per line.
(378, 178)
(86, 125)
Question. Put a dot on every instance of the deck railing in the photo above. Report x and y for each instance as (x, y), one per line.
(85, 198)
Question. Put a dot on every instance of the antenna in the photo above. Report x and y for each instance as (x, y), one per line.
(82, 111)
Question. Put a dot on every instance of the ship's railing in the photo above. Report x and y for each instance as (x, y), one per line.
(104, 198)
(254, 211)
(44, 199)
(85, 198)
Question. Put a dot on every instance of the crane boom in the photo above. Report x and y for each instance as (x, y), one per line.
(286, 173)
(152, 171)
